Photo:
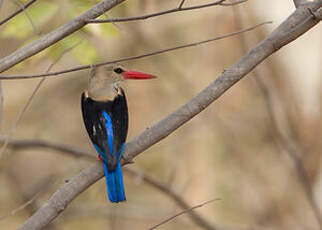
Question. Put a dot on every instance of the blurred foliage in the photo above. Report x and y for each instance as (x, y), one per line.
(20, 27)
(43, 14)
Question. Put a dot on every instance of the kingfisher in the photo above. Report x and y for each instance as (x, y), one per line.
(105, 115)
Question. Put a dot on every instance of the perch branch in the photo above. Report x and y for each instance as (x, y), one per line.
(19, 144)
(56, 35)
(300, 21)
(3, 77)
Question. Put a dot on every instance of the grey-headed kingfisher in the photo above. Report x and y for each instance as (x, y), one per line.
(105, 115)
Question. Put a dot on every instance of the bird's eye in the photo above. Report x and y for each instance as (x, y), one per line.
(118, 70)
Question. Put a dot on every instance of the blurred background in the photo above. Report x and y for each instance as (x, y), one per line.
(257, 148)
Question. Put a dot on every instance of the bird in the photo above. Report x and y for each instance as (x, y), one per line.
(105, 115)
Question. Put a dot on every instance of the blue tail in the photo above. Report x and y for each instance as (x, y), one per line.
(114, 182)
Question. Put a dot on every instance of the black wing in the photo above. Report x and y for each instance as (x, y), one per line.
(94, 121)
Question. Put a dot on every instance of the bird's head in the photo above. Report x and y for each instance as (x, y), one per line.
(104, 81)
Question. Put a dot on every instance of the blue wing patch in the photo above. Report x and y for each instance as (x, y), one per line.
(109, 131)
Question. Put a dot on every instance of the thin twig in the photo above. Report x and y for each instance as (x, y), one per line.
(23, 111)
(181, 213)
(17, 12)
(291, 147)
(21, 207)
(181, 4)
(165, 189)
(28, 16)
(174, 10)
(84, 67)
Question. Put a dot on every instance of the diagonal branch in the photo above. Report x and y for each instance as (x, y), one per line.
(33, 94)
(282, 139)
(181, 4)
(3, 77)
(36, 32)
(18, 144)
(76, 152)
(56, 35)
(174, 10)
(22, 8)
(182, 212)
(297, 24)
(294, 26)
(199, 220)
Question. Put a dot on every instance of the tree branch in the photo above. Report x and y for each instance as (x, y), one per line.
(181, 4)
(174, 10)
(199, 220)
(36, 32)
(282, 139)
(295, 25)
(22, 8)
(3, 77)
(18, 144)
(33, 94)
(56, 35)
(181, 213)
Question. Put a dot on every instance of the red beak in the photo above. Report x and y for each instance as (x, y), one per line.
(130, 74)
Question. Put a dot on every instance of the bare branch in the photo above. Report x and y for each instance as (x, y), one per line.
(174, 10)
(28, 16)
(285, 142)
(28, 202)
(23, 111)
(17, 12)
(56, 35)
(183, 212)
(3, 77)
(199, 220)
(181, 4)
(295, 25)
(57, 203)
(21, 207)
(18, 144)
